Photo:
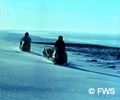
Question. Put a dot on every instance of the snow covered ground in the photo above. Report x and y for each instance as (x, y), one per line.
(29, 76)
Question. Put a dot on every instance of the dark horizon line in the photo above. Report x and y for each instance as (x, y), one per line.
(79, 45)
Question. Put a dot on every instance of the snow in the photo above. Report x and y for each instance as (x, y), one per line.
(29, 76)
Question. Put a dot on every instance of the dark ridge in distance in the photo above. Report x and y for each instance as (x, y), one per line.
(78, 45)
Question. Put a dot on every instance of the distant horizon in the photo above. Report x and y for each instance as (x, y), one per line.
(106, 39)
(58, 31)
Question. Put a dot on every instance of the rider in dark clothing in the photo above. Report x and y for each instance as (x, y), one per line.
(25, 43)
(60, 46)
(60, 54)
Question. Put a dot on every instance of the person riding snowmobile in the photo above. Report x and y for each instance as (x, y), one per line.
(60, 53)
(25, 43)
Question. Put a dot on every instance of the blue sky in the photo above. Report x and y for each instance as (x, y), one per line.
(61, 15)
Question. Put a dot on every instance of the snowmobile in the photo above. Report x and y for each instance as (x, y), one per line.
(24, 46)
(50, 53)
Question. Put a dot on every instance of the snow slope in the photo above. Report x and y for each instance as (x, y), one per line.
(29, 76)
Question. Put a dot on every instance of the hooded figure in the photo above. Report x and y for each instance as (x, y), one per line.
(25, 43)
(60, 46)
(60, 54)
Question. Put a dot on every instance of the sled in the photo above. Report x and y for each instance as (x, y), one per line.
(50, 53)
